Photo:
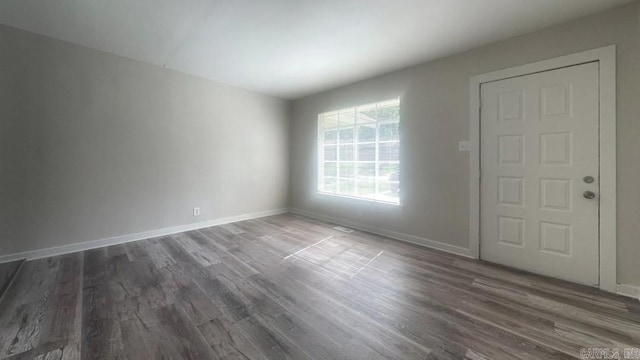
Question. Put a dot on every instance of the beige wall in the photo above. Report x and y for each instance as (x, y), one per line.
(93, 145)
(435, 116)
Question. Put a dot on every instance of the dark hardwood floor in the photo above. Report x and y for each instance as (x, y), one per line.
(288, 287)
(8, 271)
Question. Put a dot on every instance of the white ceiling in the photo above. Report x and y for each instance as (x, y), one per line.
(289, 48)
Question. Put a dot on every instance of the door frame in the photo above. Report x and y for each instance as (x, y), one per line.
(606, 58)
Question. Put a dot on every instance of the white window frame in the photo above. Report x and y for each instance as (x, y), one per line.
(320, 158)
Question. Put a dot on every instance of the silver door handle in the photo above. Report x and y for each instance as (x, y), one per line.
(589, 194)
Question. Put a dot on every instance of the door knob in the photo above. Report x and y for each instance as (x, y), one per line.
(588, 179)
(589, 194)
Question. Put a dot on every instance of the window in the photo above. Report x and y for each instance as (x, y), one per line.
(359, 152)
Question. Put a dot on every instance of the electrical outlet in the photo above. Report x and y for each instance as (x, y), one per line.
(464, 146)
(196, 211)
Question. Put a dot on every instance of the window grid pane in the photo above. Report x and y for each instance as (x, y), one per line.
(359, 152)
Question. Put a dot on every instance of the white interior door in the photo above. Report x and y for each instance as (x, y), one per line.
(539, 140)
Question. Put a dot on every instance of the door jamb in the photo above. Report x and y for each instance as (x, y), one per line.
(606, 58)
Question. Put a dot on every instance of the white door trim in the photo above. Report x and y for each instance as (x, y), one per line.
(606, 57)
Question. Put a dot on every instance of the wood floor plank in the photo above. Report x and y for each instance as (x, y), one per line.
(26, 306)
(225, 343)
(64, 316)
(444, 304)
(270, 343)
(8, 271)
(168, 334)
(101, 332)
(344, 324)
(528, 317)
(289, 287)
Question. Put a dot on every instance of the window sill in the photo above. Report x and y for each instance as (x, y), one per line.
(390, 203)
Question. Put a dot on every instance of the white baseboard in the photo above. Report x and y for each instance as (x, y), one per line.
(629, 290)
(453, 249)
(93, 244)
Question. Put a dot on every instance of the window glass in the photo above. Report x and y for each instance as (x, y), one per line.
(359, 152)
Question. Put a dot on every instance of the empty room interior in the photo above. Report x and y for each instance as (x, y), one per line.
(337, 179)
